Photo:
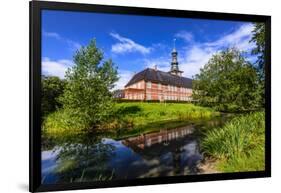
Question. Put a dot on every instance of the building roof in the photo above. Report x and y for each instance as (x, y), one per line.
(160, 77)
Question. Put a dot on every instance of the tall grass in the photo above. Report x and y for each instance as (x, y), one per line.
(239, 145)
(62, 122)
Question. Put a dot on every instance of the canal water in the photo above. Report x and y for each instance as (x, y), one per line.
(167, 152)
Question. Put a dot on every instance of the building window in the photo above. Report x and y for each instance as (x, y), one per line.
(148, 96)
(148, 84)
(159, 85)
(175, 88)
(159, 97)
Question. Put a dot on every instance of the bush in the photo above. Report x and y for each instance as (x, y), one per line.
(64, 120)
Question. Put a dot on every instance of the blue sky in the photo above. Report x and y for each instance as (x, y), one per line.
(138, 42)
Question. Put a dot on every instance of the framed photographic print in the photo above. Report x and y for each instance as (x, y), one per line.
(125, 96)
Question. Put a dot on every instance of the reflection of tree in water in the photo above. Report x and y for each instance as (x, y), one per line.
(176, 155)
(83, 158)
(188, 165)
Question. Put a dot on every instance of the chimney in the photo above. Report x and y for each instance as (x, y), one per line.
(155, 67)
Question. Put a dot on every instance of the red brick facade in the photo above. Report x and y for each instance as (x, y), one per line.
(156, 91)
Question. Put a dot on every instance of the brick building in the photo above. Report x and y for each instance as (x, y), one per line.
(153, 84)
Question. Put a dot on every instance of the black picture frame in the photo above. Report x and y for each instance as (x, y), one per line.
(35, 95)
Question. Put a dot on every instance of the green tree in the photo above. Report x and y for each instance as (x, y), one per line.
(52, 89)
(258, 37)
(227, 82)
(87, 97)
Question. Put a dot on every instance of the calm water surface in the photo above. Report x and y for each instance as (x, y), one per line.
(167, 152)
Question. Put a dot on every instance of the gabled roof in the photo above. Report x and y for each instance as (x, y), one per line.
(160, 77)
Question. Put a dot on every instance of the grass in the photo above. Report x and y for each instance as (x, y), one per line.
(130, 118)
(139, 117)
(61, 122)
(239, 145)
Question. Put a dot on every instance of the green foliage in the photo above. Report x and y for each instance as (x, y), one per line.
(259, 39)
(52, 89)
(239, 145)
(227, 82)
(87, 96)
(64, 121)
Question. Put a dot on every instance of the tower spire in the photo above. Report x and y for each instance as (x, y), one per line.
(174, 64)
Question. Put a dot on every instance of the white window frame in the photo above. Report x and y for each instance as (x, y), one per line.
(148, 85)
(159, 86)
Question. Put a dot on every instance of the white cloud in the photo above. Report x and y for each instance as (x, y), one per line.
(59, 67)
(124, 78)
(239, 38)
(199, 53)
(196, 55)
(190, 60)
(186, 36)
(194, 59)
(126, 45)
(162, 63)
(55, 68)
(72, 44)
(52, 35)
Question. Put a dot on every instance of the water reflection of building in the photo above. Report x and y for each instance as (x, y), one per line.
(163, 136)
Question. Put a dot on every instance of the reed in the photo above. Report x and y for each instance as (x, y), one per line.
(239, 145)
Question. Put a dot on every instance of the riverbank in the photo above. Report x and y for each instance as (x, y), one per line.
(139, 117)
(132, 118)
(239, 145)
